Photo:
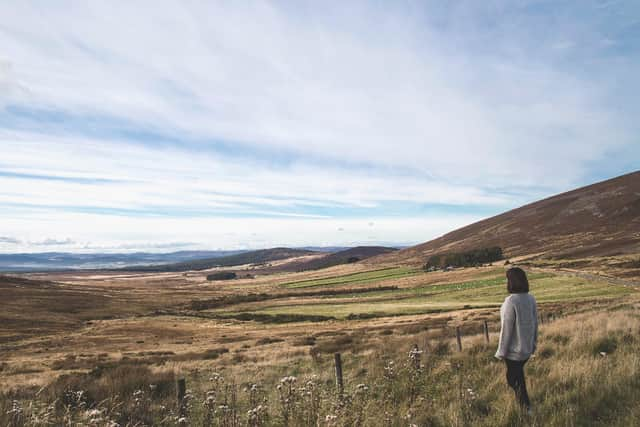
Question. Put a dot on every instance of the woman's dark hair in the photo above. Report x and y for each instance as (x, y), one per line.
(517, 282)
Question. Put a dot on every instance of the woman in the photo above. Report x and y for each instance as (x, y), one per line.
(518, 333)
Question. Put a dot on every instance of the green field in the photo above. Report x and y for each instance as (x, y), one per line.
(355, 278)
(487, 292)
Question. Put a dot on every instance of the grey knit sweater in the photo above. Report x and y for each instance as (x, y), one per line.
(519, 327)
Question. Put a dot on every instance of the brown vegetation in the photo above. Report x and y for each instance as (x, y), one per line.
(602, 219)
(585, 373)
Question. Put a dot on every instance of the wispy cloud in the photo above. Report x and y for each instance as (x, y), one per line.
(54, 242)
(9, 240)
(306, 113)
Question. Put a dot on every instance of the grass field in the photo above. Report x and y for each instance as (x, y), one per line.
(422, 299)
(585, 373)
(355, 278)
(115, 334)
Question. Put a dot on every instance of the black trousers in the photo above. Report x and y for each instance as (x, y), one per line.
(515, 379)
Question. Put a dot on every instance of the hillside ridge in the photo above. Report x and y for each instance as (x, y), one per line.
(251, 257)
(595, 220)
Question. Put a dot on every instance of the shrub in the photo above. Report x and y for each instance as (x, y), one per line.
(302, 341)
(222, 275)
(559, 339)
(268, 340)
(209, 354)
(337, 345)
(360, 316)
(470, 258)
(546, 352)
(104, 382)
(604, 345)
(277, 318)
(442, 348)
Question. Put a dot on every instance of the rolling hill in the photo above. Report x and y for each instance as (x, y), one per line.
(601, 219)
(252, 257)
(346, 256)
(52, 261)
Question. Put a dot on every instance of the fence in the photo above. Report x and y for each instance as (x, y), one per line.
(544, 318)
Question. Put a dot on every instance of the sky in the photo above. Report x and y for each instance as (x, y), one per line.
(161, 126)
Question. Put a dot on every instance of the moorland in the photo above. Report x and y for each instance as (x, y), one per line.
(106, 347)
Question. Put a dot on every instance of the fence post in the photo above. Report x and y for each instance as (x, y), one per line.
(415, 356)
(339, 383)
(458, 338)
(181, 391)
(486, 332)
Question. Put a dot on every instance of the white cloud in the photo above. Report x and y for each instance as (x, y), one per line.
(385, 90)
(182, 179)
(92, 232)
(200, 112)
(9, 240)
(54, 242)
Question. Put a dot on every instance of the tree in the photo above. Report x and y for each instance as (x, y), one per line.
(222, 275)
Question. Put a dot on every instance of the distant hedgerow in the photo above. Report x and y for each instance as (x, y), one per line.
(222, 275)
(465, 259)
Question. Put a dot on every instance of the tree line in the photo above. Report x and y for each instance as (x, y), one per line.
(465, 259)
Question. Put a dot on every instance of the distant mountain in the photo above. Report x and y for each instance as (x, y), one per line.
(596, 220)
(144, 261)
(346, 256)
(48, 261)
(252, 257)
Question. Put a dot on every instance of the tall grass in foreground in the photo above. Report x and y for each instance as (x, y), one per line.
(586, 372)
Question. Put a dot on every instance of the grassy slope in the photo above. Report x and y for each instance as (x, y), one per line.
(252, 257)
(596, 220)
(342, 257)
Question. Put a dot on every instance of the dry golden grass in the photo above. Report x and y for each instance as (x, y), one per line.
(47, 325)
(586, 372)
(93, 323)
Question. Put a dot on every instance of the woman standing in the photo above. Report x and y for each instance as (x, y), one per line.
(518, 333)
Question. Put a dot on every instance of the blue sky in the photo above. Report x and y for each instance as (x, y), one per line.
(229, 125)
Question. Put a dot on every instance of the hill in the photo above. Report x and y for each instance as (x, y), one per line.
(253, 257)
(601, 219)
(51, 261)
(346, 256)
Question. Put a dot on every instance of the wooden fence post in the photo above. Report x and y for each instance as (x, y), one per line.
(339, 383)
(458, 338)
(415, 356)
(486, 332)
(181, 391)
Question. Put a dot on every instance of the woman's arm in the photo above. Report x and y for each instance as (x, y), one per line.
(535, 326)
(507, 324)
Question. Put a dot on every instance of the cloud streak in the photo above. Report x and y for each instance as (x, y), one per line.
(9, 240)
(54, 242)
